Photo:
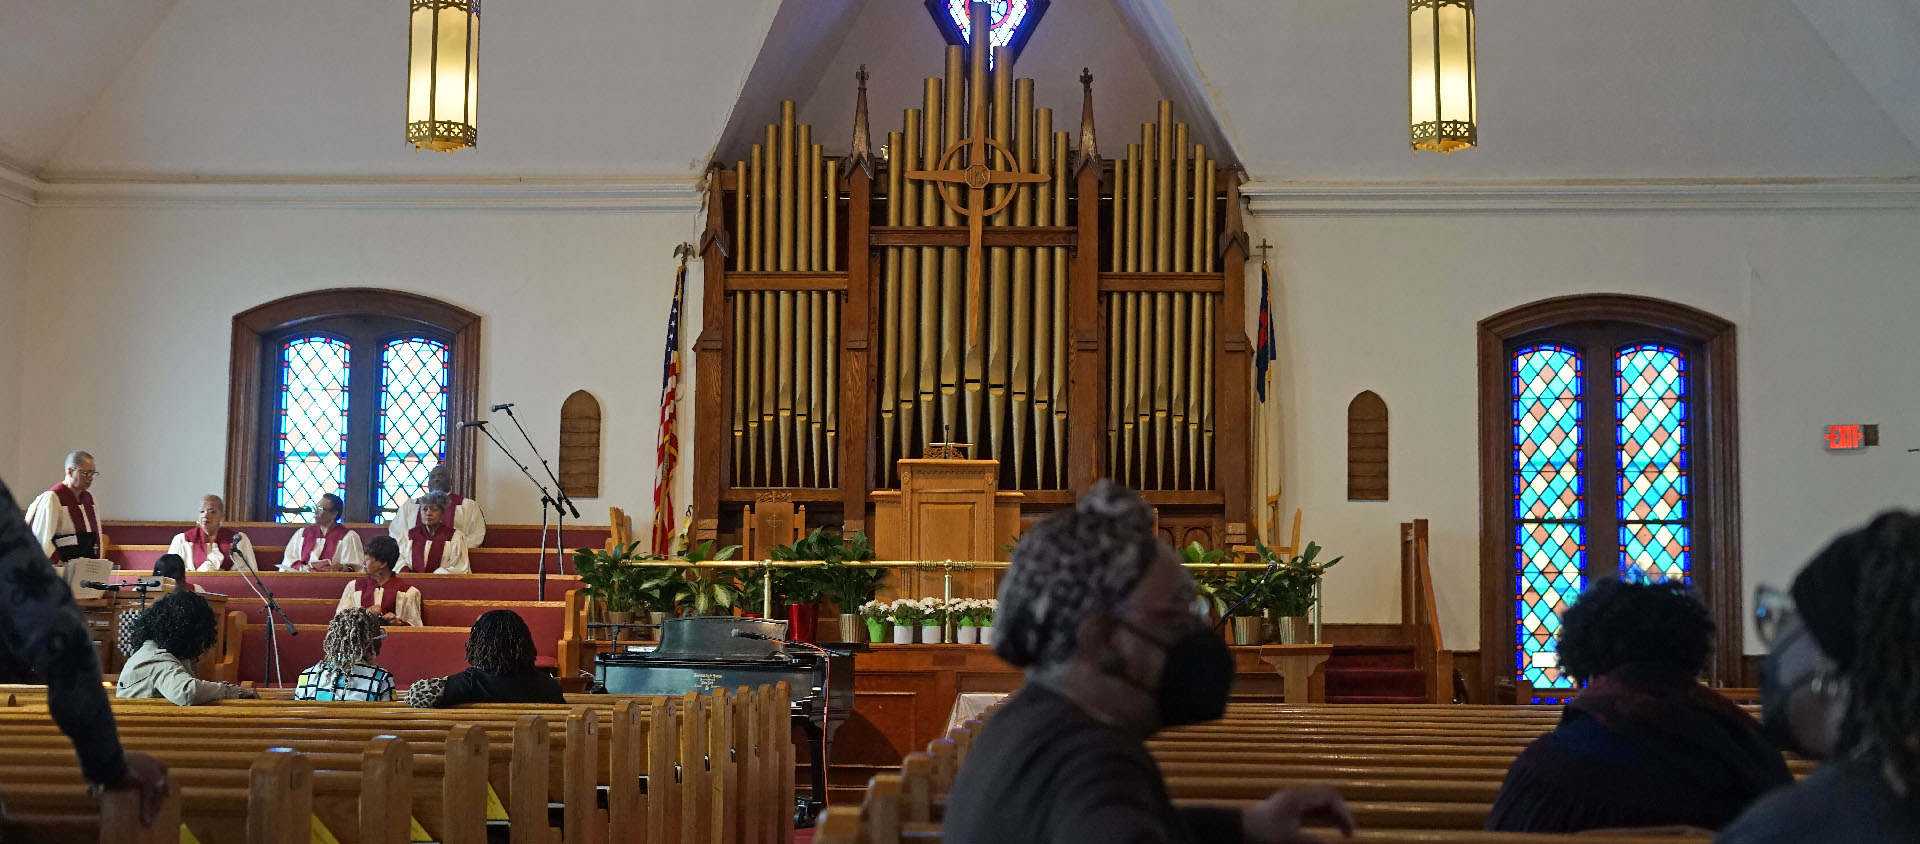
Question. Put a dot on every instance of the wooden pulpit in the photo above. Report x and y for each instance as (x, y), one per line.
(945, 509)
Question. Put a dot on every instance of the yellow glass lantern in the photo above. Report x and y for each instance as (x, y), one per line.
(443, 74)
(1444, 102)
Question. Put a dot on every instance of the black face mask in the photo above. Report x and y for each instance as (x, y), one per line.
(1195, 680)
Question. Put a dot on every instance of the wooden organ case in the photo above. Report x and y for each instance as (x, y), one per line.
(988, 280)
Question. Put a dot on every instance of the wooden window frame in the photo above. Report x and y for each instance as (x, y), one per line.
(1715, 467)
(248, 461)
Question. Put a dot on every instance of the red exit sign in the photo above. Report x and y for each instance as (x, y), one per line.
(1847, 437)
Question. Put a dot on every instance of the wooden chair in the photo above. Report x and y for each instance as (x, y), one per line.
(773, 520)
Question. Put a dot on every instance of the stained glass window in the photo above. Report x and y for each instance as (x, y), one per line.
(311, 431)
(413, 418)
(1549, 504)
(1010, 21)
(1650, 431)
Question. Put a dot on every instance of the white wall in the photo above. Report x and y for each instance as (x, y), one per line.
(13, 268)
(569, 300)
(1827, 314)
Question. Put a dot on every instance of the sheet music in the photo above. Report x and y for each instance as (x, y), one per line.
(77, 570)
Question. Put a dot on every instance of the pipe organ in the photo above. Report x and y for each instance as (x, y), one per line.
(846, 327)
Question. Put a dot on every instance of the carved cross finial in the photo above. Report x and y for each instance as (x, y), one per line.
(862, 153)
(1089, 151)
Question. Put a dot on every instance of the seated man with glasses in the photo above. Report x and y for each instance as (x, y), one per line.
(63, 519)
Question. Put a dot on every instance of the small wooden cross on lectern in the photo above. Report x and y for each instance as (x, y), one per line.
(977, 175)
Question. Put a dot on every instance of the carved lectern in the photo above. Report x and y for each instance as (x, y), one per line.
(945, 509)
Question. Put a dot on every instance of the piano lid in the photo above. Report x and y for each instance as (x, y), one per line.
(711, 637)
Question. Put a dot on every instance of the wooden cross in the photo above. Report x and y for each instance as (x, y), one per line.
(977, 176)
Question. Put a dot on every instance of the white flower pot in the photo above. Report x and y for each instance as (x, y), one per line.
(967, 634)
(986, 635)
(902, 634)
(930, 635)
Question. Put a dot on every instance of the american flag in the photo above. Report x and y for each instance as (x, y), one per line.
(1266, 351)
(667, 455)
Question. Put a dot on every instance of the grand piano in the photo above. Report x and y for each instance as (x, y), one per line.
(702, 653)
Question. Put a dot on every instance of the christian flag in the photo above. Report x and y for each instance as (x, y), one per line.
(667, 456)
(1267, 350)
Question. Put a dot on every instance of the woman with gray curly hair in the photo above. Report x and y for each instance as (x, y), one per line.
(1101, 615)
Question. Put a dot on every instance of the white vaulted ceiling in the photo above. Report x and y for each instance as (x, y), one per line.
(1306, 90)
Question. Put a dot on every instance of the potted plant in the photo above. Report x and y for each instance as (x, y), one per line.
(800, 591)
(907, 615)
(876, 615)
(615, 579)
(933, 624)
(705, 591)
(849, 586)
(984, 616)
(1290, 593)
(1241, 593)
(966, 613)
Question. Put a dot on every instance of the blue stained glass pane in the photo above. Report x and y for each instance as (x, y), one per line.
(311, 435)
(413, 418)
(1004, 20)
(1546, 433)
(1550, 559)
(1651, 440)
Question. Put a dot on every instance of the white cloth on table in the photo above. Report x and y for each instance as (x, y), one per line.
(968, 706)
(216, 560)
(467, 520)
(406, 605)
(348, 553)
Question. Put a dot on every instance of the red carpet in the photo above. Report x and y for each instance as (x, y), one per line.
(1374, 674)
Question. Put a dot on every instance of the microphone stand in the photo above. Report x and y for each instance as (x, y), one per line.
(560, 497)
(270, 661)
(546, 499)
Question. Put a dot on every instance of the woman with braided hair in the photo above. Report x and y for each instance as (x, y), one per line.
(1859, 603)
(500, 656)
(1099, 612)
(346, 670)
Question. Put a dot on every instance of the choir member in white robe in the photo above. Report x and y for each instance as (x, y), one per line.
(382, 591)
(209, 546)
(467, 518)
(434, 546)
(63, 518)
(325, 545)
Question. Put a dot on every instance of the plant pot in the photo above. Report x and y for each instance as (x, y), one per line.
(876, 630)
(849, 627)
(1293, 630)
(620, 617)
(902, 634)
(986, 635)
(1246, 629)
(966, 634)
(801, 621)
(931, 635)
(657, 617)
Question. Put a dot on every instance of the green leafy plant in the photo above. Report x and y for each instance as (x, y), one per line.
(1209, 584)
(1290, 592)
(617, 578)
(1240, 592)
(701, 591)
(849, 586)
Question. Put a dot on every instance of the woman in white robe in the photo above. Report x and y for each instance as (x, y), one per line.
(434, 546)
(383, 591)
(467, 518)
(325, 545)
(209, 546)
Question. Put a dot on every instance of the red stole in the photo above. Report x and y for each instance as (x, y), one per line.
(79, 511)
(394, 586)
(197, 546)
(328, 543)
(428, 548)
(453, 506)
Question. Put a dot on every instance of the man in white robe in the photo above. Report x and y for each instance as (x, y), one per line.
(325, 545)
(467, 518)
(434, 546)
(63, 518)
(210, 546)
(382, 591)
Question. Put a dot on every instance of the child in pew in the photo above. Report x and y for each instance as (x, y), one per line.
(1842, 683)
(346, 670)
(1646, 744)
(174, 632)
(500, 655)
(1099, 612)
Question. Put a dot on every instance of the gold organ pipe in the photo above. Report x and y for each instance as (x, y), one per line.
(750, 376)
(1199, 201)
(1149, 201)
(1116, 352)
(1196, 383)
(1129, 395)
(738, 306)
(1119, 263)
(914, 299)
(830, 232)
(1020, 351)
(1180, 199)
(1060, 313)
(808, 203)
(1163, 190)
(932, 344)
(890, 324)
(801, 383)
(750, 188)
(1143, 383)
(999, 282)
(740, 181)
(1040, 349)
(1212, 240)
(955, 124)
(1206, 391)
(770, 202)
(1182, 306)
(1162, 377)
(786, 186)
(832, 380)
(1132, 247)
(783, 382)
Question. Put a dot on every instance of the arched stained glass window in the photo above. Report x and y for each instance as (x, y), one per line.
(1651, 434)
(1549, 503)
(413, 417)
(311, 431)
(1011, 22)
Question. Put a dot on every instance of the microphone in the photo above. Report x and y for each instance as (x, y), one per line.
(477, 423)
(104, 587)
(499, 407)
